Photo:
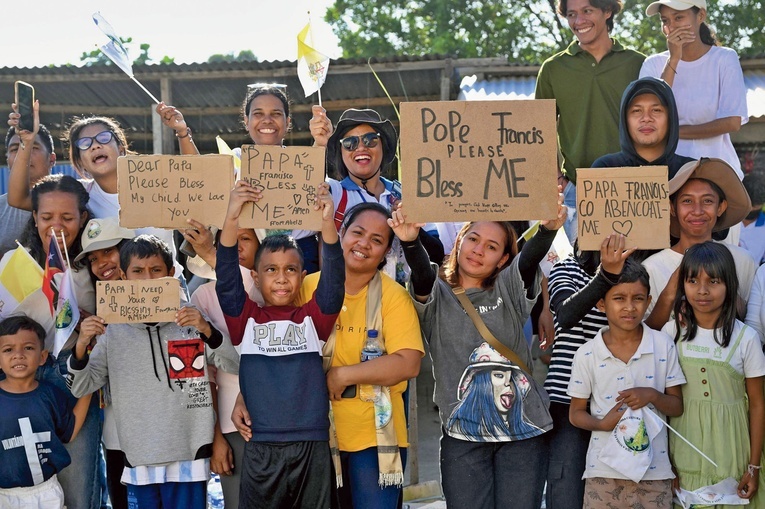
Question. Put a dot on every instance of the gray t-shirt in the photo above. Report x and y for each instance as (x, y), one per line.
(481, 395)
(13, 221)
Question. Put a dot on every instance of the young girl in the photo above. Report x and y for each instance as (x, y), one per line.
(724, 367)
(101, 240)
(493, 416)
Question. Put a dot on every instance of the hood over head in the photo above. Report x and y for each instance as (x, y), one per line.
(663, 91)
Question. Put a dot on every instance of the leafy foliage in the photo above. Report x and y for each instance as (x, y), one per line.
(527, 32)
(243, 56)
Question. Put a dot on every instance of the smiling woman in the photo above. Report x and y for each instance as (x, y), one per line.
(492, 412)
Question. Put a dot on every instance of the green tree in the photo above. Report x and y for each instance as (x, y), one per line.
(98, 57)
(526, 32)
(243, 56)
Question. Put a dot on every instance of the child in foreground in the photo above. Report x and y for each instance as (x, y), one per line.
(287, 460)
(627, 363)
(159, 386)
(35, 422)
(724, 412)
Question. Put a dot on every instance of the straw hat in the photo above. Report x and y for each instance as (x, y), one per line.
(724, 176)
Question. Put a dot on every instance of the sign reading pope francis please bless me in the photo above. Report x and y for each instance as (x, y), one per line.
(479, 160)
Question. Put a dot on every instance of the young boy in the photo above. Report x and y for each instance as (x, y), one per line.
(626, 364)
(36, 421)
(287, 461)
(159, 388)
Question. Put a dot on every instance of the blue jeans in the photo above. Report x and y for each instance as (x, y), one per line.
(169, 495)
(493, 474)
(567, 447)
(80, 480)
(361, 489)
(569, 200)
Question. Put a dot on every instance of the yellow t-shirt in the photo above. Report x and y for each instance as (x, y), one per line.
(354, 419)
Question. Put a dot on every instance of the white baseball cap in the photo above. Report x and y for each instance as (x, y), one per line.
(678, 5)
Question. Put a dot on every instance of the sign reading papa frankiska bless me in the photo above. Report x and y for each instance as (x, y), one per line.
(479, 160)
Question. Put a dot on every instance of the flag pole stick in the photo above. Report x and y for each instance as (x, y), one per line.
(156, 101)
(681, 437)
(66, 253)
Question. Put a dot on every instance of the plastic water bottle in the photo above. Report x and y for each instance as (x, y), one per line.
(372, 350)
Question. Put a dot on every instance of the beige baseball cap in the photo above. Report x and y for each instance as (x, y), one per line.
(678, 5)
(102, 233)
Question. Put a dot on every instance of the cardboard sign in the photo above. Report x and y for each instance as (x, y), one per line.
(479, 160)
(165, 191)
(631, 201)
(289, 178)
(144, 300)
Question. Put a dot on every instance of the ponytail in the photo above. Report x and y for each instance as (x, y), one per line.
(707, 35)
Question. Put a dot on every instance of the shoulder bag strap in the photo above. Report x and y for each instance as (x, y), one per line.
(374, 320)
(459, 292)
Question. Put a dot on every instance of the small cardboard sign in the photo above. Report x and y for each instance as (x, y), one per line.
(479, 160)
(164, 191)
(142, 300)
(289, 178)
(630, 201)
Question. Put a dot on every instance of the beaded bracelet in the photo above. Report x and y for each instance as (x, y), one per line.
(187, 135)
(752, 468)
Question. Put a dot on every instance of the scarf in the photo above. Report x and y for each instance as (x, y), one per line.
(388, 453)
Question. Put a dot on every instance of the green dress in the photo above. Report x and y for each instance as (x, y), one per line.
(716, 420)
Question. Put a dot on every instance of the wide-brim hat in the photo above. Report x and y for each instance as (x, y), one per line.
(353, 117)
(678, 5)
(486, 357)
(725, 177)
(102, 233)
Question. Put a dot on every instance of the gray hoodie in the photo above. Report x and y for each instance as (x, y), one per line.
(159, 388)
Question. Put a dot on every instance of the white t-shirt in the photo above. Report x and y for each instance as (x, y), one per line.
(661, 265)
(755, 311)
(752, 238)
(747, 360)
(598, 376)
(706, 89)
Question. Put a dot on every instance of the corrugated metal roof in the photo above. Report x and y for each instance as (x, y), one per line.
(210, 94)
(522, 87)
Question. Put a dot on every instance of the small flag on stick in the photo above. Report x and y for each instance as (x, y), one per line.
(312, 64)
(117, 53)
(67, 311)
(20, 277)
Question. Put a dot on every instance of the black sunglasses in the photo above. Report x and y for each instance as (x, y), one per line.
(86, 142)
(370, 140)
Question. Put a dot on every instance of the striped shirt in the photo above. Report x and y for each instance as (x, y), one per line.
(566, 278)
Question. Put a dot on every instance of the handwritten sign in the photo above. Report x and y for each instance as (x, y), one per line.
(630, 201)
(479, 160)
(144, 300)
(165, 191)
(289, 178)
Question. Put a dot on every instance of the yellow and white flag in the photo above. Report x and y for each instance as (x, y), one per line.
(312, 64)
(20, 277)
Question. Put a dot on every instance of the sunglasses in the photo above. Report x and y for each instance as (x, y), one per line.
(86, 142)
(351, 143)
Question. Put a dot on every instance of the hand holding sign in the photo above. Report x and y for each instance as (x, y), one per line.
(405, 231)
(613, 253)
